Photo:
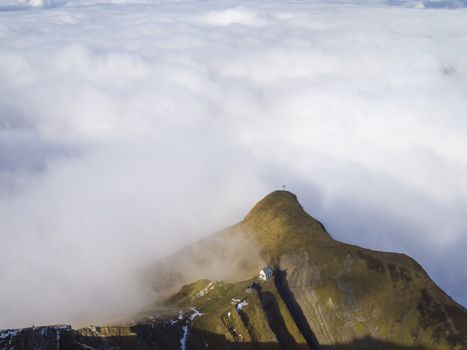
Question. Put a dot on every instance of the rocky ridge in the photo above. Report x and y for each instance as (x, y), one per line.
(325, 295)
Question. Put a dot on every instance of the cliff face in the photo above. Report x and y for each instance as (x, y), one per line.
(325, 295)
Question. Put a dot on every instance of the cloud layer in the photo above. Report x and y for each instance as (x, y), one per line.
(131, 128)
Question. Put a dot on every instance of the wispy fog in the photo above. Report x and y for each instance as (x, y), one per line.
(130, 128)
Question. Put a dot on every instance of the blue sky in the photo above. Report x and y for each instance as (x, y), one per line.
(119, 118)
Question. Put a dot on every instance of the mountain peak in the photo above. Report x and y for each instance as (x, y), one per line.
(279, 223)
(281, 201)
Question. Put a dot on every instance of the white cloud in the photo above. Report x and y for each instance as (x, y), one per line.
(129, 128)
(227, 17)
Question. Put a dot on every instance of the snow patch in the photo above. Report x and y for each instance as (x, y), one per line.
(204, 291)
(9, 333)
(195, 314)
(184, 337)
(58, 339)
(84, 346)
(241, 305)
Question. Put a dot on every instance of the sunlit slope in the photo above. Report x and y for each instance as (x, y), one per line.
(347, 292)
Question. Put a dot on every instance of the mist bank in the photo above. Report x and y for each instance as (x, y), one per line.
(129, 129)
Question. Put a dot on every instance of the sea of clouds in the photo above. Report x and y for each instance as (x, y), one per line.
(129, 128)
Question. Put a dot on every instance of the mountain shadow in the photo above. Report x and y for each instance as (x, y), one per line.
(199, 339)
(295, 309)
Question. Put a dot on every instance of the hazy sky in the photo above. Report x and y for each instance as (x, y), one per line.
(129, 128)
